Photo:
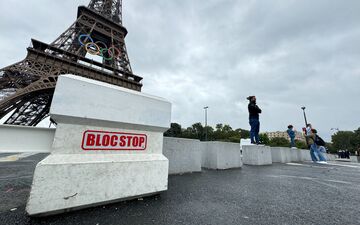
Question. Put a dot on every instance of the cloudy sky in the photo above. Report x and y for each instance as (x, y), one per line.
(217, 52)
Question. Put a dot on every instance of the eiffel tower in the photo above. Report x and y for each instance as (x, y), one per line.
(27, 87)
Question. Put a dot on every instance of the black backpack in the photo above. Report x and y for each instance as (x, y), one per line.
(319, 141)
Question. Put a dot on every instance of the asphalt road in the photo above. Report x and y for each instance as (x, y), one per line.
(279, 194)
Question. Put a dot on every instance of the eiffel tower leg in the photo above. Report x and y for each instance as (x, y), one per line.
(26, 89)
(31, 110)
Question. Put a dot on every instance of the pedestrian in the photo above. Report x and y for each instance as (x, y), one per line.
(347, 154)
(291, 134)
(254, 122)
(315, 153)
(308, 128)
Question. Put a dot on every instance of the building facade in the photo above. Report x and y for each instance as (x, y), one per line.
(283, 134)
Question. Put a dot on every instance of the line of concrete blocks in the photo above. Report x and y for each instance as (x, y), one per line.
(189, 155)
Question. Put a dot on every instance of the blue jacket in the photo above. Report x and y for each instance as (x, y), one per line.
(291, 133)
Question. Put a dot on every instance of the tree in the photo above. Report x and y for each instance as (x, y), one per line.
(189, 133)
(264, 139)
(199, 131)
(279, 142)
(300, 144)
(243, 133)
(346, 140)
(174, 131)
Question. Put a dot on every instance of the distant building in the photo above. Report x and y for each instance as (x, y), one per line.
(283, 134)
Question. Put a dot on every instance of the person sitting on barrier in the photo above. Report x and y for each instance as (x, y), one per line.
(291, 134)
(315, 153)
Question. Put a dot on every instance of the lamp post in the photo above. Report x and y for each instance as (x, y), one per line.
(206, 107)
(303, 108)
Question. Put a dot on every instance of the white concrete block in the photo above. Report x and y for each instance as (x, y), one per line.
(244, 142)
(33, 139)
(305, 155)
(107, 104)
(107, 147)
(331, 157)
(257, 155)
(296, 155)
(354, 159)
(184, 155)
(69, 139)
(73, 181)
(221, 155)
(280, 155)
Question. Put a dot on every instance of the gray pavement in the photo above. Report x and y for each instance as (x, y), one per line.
(294, 193)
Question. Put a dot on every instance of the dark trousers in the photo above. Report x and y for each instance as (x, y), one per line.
(254, 132)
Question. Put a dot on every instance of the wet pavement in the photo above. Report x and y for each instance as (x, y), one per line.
(303, 193)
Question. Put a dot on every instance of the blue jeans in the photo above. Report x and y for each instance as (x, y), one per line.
(292, 142)
(316, 151)
(254, 132)
(312, 154)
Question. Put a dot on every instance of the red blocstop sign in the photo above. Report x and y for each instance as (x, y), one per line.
(113, 141)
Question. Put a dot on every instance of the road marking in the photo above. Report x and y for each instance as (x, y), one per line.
(350, 166)
(16, 157)
(339, 181)
(306, 165)
(317, 180)
(322, 165)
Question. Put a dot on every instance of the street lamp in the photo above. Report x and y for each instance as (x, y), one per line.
(303, 108)
(206, 107)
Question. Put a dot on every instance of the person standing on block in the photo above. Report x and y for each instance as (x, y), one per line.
(291, 134)
(254, 122)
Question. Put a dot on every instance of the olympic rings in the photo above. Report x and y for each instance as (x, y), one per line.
(113, 52)
(99, 48)
(106, 50)
(92, 48)
(102, 43)
(87, 37)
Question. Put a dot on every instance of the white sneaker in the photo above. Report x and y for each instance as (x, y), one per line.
(322, 162)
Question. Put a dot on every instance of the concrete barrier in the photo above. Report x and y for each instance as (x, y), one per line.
(296, 155)
(330, 157)
(221, 155)
(354, 159)
(107, 147)
(305, 155)
(256, 155)
(184, 155)
(280, 155)
(25, 139)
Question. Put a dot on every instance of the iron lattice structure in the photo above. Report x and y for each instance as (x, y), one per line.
(27, 87)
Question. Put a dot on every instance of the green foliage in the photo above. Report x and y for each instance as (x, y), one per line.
(279, 142)
(300, 144)
(331, 148)
(245, 134)
(174, 131)
(197, 131)
(264, 139)
(342, 140)
(346, 140)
